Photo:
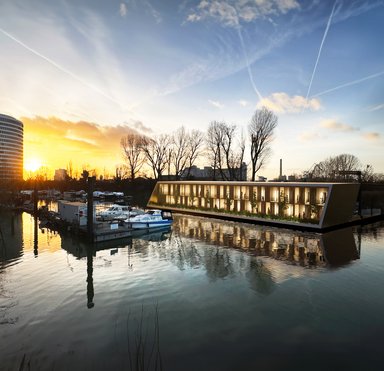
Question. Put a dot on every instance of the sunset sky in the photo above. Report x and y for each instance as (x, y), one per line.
(82, 73)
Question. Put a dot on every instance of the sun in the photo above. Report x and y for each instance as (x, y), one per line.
(32, 164)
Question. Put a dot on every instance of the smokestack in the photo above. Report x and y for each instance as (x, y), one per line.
(281, 168)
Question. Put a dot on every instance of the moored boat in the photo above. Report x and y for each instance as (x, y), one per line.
(118, 212)
(150, 219)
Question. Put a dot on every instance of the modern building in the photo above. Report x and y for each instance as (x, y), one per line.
(11, 148)
(309, 205)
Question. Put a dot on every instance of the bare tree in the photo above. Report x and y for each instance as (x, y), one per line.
(223, 152)
(180, 141)
(70, 169)
(132, 146)
(335, 168)
(156, 151)
(120, 172)
(233, 153)
(261, 128)
(213, 142)
(195, 142)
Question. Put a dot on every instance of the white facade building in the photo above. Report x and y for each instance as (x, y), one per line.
(11, 148)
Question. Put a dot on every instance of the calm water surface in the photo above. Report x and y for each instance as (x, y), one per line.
(206, 295)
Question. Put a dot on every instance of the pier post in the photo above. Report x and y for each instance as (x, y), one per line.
(35, 198)
(91, 184)
(35, 236)
(90, 289)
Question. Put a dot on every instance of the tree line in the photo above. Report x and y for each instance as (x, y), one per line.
(343, 167)
(221, 145)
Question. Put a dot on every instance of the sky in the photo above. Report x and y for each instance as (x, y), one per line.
(81, 74)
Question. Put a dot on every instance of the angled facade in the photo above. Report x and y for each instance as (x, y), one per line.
(312, 205)
(11, 148)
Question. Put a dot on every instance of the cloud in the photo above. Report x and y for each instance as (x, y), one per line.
(216, 104)
(123, 9)
(243, 103)
(232, 13)
(58, 141)
(371, 136)
(283, 103)
(350, 83)
(376, 108)
(153, 12)
(320, 48)
(308, 136)
(334, 125)
(138, 125)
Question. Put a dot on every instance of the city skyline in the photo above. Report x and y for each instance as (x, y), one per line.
(80, 75)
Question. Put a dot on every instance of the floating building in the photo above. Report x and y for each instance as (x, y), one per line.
(310, 205)
(11, 148)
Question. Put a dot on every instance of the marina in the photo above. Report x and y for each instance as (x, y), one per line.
(274, 290)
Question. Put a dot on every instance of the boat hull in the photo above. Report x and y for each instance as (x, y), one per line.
(150, 224)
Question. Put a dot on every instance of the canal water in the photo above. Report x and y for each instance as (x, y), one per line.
(204, 295)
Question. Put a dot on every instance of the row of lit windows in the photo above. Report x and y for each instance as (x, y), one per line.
(11, 127)
(11, 151)
(5, 160)
(11, 130)
(14, 146)
(9, 120)
(13, 135)
(11, 144)
(249, 193)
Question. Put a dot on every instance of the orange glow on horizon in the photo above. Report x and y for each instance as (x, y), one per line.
(51, 143)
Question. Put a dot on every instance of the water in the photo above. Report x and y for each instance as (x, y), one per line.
(207, 295)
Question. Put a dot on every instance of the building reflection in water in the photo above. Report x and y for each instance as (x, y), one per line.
(330, 249)
(11, 238)
(282, 247)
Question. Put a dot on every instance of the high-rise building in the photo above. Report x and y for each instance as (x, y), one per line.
(11, 148)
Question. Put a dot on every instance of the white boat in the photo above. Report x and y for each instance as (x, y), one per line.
(118, 212)
(151, 219)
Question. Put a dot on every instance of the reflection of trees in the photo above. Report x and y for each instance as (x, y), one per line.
(181, 252)
(11, 245)
(217, 263)
(259, 277)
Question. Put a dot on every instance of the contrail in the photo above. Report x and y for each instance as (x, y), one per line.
(248, 66)
(62, 69)
(349, 84)
(321, 47)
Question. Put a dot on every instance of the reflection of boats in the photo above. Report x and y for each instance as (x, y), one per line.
(79, 248)
(160, 234)
(118, 212)
(100, 194)
(151, 219)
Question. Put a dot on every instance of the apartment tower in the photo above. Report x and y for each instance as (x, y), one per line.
(11, 148)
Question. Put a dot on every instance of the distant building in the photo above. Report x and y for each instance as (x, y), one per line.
(11, 148)
(208, 173)
(60, 175)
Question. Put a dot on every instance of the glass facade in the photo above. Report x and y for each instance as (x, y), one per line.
(303, 203)
(11, 148)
